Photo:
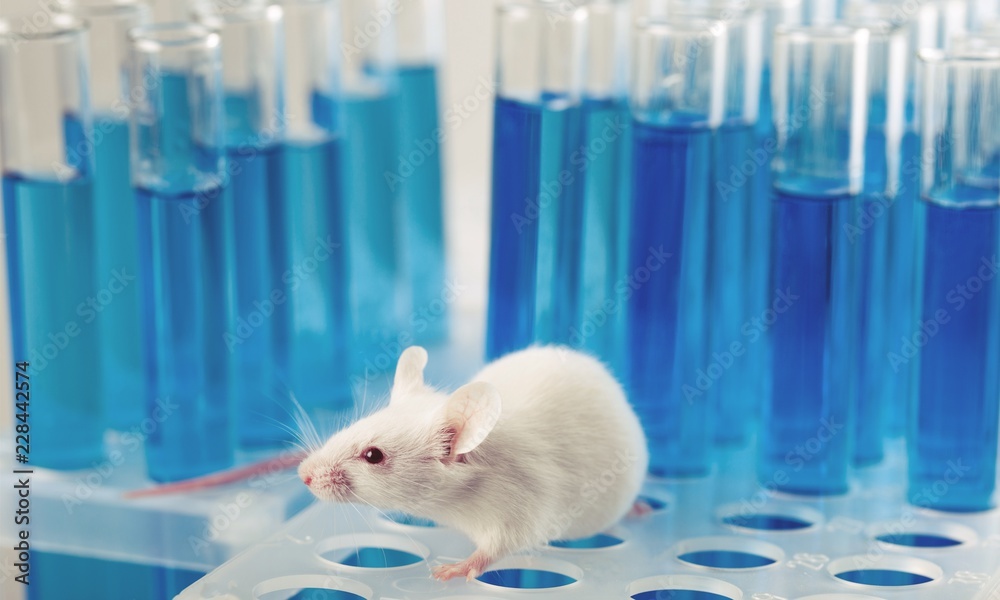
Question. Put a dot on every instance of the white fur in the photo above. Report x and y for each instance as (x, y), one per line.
(564, 460)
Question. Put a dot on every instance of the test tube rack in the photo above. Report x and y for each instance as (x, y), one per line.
(722, 537)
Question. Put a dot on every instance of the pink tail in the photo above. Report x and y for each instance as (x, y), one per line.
(278, 463)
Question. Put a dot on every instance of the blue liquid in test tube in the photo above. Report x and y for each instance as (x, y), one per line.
(421, 190)
(116, 313)
(250, 37)
(673, 125)
(806, 438)
(604, 163)
(309, 260)
(953, 437)
(185, 250)
(537, 211)
(48, 206)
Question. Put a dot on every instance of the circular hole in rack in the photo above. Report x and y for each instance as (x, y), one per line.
(780, 517)
(767, 522)
(887, 571)
(523, 572)
(728, 552)
(925, 533)
(371, 551)
(683, 587)
(311, 587)
(594, 542)
(401, 518)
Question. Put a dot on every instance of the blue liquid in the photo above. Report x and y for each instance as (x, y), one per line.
(759, 222)
(805, 443)
(310, 267)
(870, 232)
(731, 393)
(117, 321)
(50, 266)
(666, 313)
(255, 193)
(186, 225)
(184, 255)
(955, 435)
(372, 212)
(604, 165)
(902, 292)
(536, 225)
(419, 171)
(58, 576)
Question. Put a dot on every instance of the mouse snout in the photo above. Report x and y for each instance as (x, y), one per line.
(307, 479)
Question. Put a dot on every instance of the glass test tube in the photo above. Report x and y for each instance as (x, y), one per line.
(48, 147)
(819, 87)
(310, 264)
(116, 315)
(251, 47)
(775, 13)
(603, 164)
(370, 106)
(677, 100)
(536, 193)
(185, 222)
(882, 231)
(417, 172)
(953, 437)
(724, 380)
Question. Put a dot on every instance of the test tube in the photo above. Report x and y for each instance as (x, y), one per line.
(724, 380)
(115, 312)
(603, 163)
(370, 106)
(417, 172)
(47, 148)
(536, 193)
(775, 13)
(310, 260)
(251, 49)
(819, 89)
(953, 437)
(677, 101)
(185, 222)
(882, 230)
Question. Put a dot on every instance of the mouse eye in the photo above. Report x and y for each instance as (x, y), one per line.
(373, 455)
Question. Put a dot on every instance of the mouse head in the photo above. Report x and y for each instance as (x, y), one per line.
(403, 456)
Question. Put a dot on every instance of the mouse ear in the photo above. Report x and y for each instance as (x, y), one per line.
(472, 412)
(409, 372)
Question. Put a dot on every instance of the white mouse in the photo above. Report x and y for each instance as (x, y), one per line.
(541, 445)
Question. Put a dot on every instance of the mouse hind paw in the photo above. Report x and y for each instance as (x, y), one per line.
(470, 568)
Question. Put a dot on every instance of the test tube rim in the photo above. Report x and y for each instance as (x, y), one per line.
(113, 8)
(664, 26)
(251, 12)
(834, 33)
(713, 10)
(145, 36)
(980, 57)
(62, 25)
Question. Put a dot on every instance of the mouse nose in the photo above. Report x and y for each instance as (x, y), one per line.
(307, 479)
